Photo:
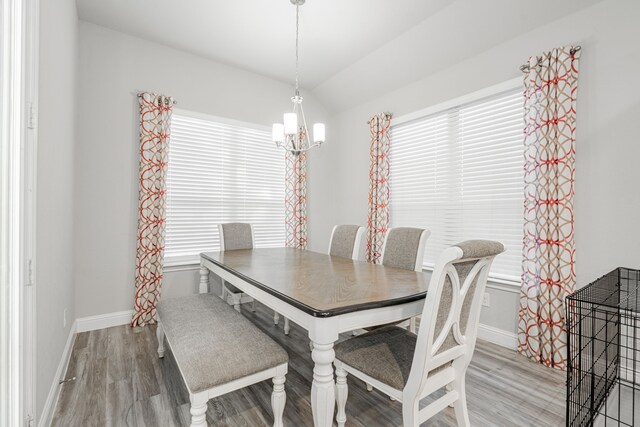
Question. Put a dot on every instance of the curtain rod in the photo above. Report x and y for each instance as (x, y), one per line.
(138, 93)
(525, 67)
(387, 116)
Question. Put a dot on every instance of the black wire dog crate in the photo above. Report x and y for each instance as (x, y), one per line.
(604, 352)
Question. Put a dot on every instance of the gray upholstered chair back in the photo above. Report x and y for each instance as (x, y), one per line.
(449, 324)
(404, 248)
(347, 242)
(235, 235)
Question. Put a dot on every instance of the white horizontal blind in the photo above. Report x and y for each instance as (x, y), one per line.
(459, 173)
(220, 172)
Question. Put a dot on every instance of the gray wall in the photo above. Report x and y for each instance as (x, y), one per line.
(113, 66)
(55, 204)
(606, 202)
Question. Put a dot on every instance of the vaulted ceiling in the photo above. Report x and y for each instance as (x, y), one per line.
(347, 47)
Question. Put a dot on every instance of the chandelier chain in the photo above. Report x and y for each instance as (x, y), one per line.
(297, 32)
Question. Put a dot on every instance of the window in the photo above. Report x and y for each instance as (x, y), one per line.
(458, 171)
(221, 171)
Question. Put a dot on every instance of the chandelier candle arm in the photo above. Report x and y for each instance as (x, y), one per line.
(293, 135)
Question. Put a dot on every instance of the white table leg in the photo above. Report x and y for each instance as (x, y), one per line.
(323, 387)
(204, 280)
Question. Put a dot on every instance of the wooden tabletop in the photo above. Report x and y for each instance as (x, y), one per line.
(320, 284)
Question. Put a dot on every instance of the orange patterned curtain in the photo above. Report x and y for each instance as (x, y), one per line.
(378, 218)
(550, 87)
(296, 199)
(155, 124)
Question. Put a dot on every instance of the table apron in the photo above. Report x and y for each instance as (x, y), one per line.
(321, 329)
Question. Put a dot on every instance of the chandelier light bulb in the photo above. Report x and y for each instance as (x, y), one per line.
(278, 133)
(290, 123)
(318, 132)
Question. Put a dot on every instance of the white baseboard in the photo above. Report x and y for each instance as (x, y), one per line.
(102, 321)
(52, 398)
(498, 336)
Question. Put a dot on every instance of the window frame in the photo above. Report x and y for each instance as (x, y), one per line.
(182, 263)
(469, 98)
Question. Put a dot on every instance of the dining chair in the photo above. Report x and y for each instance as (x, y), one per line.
(347, 241)
(238, 235)
(234, 236)
(409, 368)
(403, 247)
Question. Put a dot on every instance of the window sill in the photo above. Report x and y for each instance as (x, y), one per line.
(510, 285)
(172, 265)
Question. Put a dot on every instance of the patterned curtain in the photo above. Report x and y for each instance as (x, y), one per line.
(550, 87)
(296, 199)
(155, 123)
(378, 218)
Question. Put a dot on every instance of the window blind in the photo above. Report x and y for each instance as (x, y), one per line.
(459, 173)
(221, 172)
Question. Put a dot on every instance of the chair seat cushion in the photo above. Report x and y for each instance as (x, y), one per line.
(213, 344)
(385, 354)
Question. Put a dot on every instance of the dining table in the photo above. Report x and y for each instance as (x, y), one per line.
(325, 295)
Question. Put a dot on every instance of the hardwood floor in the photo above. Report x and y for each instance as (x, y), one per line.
(121, 382)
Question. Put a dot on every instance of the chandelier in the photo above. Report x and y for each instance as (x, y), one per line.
(292, 135)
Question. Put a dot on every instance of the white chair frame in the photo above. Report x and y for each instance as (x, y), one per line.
(422, 243)
(236, 298)
(426, 358)
(358, 253)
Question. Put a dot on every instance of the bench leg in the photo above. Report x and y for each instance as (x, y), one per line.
(204, 280)
(236, 302)
(278, 397)
(160, 336)
(287, 328)
(198, 414)
(276, 318)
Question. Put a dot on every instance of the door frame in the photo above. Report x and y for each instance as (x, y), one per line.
(18, 154)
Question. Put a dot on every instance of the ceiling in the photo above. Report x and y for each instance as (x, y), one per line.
(350, 50)
(259, 35)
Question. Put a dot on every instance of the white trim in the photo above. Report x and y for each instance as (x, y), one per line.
(54, 392)
(456, 102)
(172, 268)
(102, 321)
(498, 336)
(30, 157)
(511, 288)
(181, 261)
(224, 120)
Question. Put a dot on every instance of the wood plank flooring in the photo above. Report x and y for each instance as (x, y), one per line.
(121, 382)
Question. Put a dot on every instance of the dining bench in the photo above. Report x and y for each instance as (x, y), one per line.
(218, 351)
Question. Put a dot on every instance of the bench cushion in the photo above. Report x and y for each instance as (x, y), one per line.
(213, 344)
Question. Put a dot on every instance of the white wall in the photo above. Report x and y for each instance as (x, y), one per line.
(113, 66)
(55, 205)
(608, 148)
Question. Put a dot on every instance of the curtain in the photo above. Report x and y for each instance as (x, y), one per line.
(296, 199)
(378, 217)
(155, 123)
(550, 86)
